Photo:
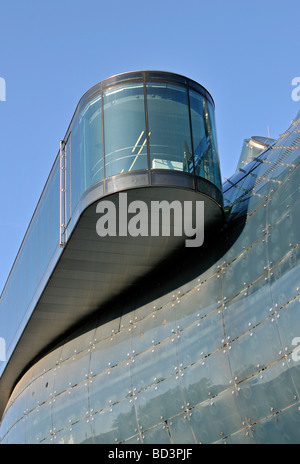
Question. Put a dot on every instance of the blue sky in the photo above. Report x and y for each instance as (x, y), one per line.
(246, 53)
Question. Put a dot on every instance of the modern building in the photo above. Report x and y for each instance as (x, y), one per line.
(141, 339)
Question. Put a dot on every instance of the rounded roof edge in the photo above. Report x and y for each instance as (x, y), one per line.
(140, 75)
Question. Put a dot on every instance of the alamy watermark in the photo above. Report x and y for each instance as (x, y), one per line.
(2, 89)
(2, 350)
(164, 218)
(296, 90)
(296, 351)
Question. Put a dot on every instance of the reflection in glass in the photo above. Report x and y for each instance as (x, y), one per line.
(91, 157)
(169, 126)
(204, 139)
(124, 129)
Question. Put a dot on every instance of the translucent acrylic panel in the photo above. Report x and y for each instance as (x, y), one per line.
(6, 422)
(218, 417)
(45, 364)
(204, 139)
(288, 193)
(70, 407)
(40, 390)
(80, 433)
(244, 437)
(159, 403)
(153, 365)
(282, 238)
(154, 328)
(125, 134)
(109, 387)
(115, 424)
(267, 392)
(135, 440)
(19, 407)
(75, 165)
(247, 309)
(289, 323)
(169, 127)
(16, 435)
(206, 378)
(72, 371)
(198, 302)
(111, 351)
(157, 436)
(294, 366)
(181, 429)
(81, 342)
(38, 424)
(282, 429)
(284, 279)
(255, 350)
(90, 136)
(200, 339)
(245, 270)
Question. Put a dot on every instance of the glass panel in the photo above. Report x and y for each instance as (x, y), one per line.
(181, 430)
(38, 424)
(145, 371)
(218, 417)
(68, 180)
(284, 430)
(70, 406)
(169, 127)
(79, 433)
(248, 309)
(270, 390)
(124, 129)
(75, 166)
(204, 138)
(37, 249)
(206, 378)
(200, 339)
(255, 350)
(75, 370)
(115, 424)
(109, 387)
(159, 402)
(158, 435)
(91, 158)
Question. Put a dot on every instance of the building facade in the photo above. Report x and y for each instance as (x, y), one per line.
(132, 340)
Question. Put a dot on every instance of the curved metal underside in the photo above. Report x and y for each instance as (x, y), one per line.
(91, 271)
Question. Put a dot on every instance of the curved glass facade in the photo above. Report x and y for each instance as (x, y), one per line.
(142, 121)
(208, 359)
(146, 124)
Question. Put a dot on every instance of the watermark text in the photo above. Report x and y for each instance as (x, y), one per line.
(296, 351)
(296, 90)
(165, 219)
(2, 350)
(2, 89)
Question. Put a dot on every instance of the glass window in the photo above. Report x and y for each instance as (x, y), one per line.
(204, 138)
(90, 130)
(169, 127)
(125, 135)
